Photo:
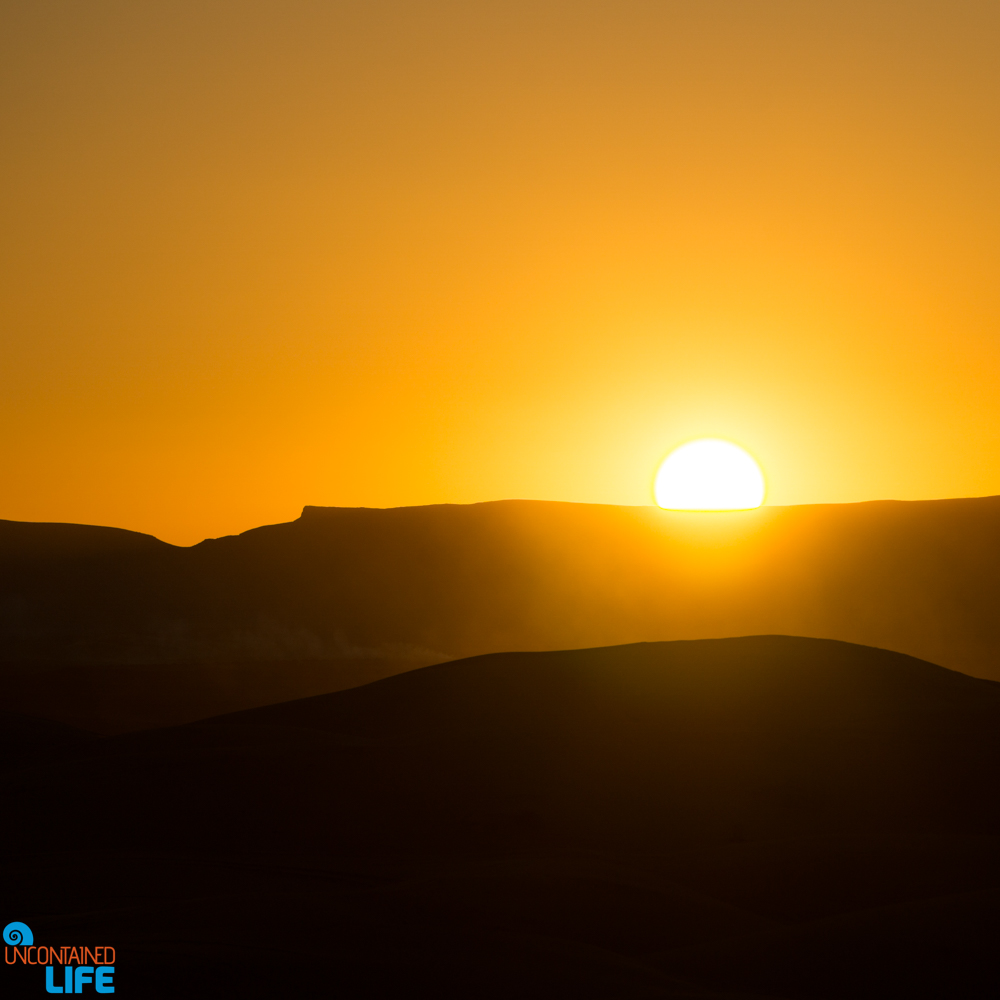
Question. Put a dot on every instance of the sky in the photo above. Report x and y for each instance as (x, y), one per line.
(257, 255)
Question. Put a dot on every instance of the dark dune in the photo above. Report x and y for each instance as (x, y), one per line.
(765, 816)
(412, 586)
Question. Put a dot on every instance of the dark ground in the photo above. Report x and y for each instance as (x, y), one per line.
(767, 817)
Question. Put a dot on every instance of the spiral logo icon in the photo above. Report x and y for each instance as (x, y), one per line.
(17, 933)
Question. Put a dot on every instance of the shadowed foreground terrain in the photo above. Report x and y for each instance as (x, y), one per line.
(765, 816)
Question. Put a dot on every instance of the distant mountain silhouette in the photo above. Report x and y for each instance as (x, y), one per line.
(423, 584)
(766, 816)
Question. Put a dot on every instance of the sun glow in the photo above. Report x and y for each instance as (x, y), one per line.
(709, 474)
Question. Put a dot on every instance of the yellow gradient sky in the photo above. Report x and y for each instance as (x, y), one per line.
(258, 255)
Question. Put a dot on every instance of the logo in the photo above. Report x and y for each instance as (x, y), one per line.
(80, 968)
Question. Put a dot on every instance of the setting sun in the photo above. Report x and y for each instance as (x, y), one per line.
(709, 475)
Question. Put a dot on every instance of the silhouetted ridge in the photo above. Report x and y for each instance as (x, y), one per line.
(31, 540)
(418, 585)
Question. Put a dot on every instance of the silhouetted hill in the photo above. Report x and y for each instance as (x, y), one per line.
(766, 816)
(412, 586)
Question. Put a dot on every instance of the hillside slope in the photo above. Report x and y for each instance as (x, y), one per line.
(766, 816)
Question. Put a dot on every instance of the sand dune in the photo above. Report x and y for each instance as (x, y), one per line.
(769, 815)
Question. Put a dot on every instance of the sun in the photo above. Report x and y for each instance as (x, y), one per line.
(709, 474)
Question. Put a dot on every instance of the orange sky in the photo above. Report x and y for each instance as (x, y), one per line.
(257, 255)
